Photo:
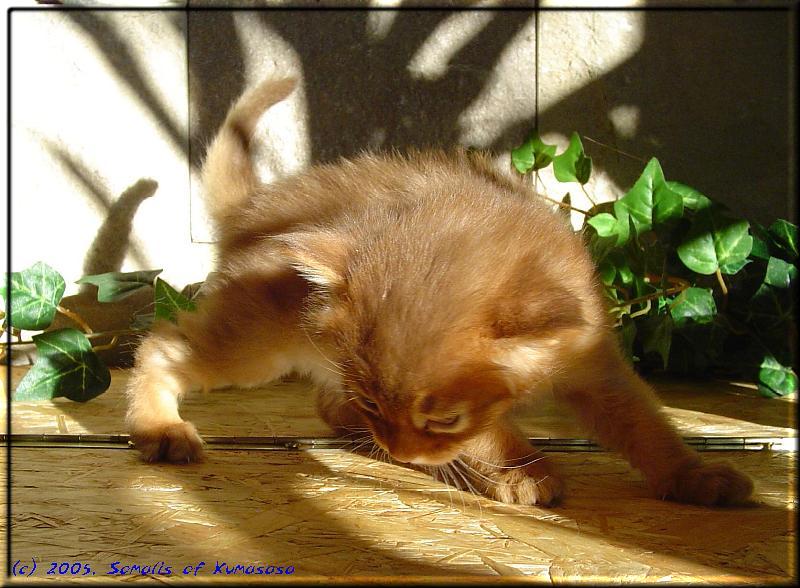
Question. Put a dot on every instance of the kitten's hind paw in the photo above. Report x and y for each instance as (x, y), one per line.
(707, 485)
(176, 443)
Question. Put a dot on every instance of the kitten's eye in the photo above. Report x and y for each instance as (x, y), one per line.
(367, 404)
(443, 423)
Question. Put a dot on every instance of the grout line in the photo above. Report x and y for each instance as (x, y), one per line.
(294, 443)
(536, 30)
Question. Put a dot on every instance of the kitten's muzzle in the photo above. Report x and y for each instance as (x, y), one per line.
(417, 458)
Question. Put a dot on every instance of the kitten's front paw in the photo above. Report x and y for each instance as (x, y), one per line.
(707, 485)
(528, 485)
(176, 442)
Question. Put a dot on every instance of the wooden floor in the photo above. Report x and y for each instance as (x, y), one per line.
(79, 494)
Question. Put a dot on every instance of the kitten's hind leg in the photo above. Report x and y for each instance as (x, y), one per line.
(623, 412)
(503, 465)
(242, 334)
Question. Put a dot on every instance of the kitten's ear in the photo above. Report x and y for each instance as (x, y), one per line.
(537, 313)
(319, 256)
(483, 379)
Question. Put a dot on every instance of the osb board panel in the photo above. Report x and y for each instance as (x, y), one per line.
(335, 514)
(287, 408)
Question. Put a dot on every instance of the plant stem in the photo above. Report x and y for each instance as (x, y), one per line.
(669, 279)
(620, 151)
(722, 283)
(75, 317)
(724, 288)
(587, 195)
(536, 181)
(110, 345)
(562, 205)
(652, 296)
(645, 310)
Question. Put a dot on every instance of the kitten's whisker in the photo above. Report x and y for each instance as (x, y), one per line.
(452, 471)
(539, 455)
(488, 480)
(337, 368)
(507, 460)
(355, 429)
(362, 443)
(443, 473)
(355, 436)
(453, 485)
(373, 452)
(469, 486)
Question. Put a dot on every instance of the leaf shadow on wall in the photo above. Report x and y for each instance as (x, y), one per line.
(360, 93)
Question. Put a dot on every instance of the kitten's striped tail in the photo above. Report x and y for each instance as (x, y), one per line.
(228, 173)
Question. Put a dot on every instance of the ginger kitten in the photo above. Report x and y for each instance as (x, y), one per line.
(424, 295)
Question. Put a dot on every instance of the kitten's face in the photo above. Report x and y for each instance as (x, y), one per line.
(427, 424)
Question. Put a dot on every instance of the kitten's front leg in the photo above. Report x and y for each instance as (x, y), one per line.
(158, 381)
(504, 466)
(625, 415)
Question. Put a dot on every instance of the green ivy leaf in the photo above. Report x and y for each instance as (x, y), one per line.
(733, 267)
(607, 272)
(667, 205)
(733, 243)
(605, 224)
(626, 274)
(651, 201)
(168, 301)
(35, 294)
(624, 223)
(65, 366)
(760, 249)
(776, 379)
(522, 157)
(780, 274)
(658, 336)
(600, 247)
(692, 199)
(638, 202)
(693, 304)
(573, 165)
(784, 234)
(698, 254)
(533, 154)
(769, 307)
(115, 286)
(716, 242)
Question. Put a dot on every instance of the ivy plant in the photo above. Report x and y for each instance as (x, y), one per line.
(67, 363)
(694, 288)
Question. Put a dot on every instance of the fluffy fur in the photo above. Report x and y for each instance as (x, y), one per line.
(424, 295)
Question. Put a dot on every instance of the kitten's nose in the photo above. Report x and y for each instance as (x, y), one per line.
(427, 460)
(417, 458)
(402, 456)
